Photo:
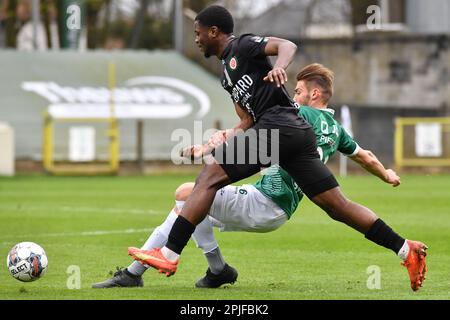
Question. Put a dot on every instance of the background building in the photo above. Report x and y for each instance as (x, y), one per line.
(391, 58)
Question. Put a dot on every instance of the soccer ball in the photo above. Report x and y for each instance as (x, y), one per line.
(27, 261)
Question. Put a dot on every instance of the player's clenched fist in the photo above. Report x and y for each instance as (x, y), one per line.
(392, 178)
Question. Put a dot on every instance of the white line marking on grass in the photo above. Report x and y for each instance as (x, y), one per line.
(109, 210)
(82, 209)
(84, 233)
(95, 233)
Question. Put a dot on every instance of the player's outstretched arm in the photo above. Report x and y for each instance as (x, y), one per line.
(221, 136)
(370, 162)
(198, 151)
(285, 50)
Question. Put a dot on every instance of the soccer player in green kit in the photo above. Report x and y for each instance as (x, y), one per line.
(271, 201)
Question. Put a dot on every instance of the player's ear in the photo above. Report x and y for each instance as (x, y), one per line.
(316, 94)
(213, 32)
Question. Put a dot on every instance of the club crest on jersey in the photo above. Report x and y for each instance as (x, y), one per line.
(233, 63)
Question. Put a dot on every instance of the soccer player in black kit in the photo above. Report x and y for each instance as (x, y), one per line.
(267, 114)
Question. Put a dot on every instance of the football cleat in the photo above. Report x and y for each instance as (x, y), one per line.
(155, 259)
(415, 263)
(120, 279)
(211, 280)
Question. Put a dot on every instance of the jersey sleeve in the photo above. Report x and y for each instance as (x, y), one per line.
(347, 145)
(252, 46)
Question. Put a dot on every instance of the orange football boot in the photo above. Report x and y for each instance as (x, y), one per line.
(415, 263)
(154, 258)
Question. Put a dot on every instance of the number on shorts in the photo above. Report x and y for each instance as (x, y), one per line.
(243, 191)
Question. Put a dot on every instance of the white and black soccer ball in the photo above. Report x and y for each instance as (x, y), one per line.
(27, 261)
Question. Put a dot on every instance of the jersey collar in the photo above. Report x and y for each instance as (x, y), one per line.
(332, 111)
(228, 48)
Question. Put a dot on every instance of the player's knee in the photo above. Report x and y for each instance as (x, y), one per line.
(184, 191)
(212, 177)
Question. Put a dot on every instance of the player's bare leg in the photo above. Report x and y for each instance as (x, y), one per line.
(340, 208)
(362, 219)
(197, 206)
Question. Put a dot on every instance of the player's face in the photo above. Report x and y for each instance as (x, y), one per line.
(302, 95)
(202, 39)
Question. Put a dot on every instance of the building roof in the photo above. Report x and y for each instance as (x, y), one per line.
(300, 14)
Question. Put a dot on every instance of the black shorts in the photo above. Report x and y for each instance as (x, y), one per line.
(295, 150)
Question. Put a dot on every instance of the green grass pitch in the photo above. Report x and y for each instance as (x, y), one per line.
(90, 221)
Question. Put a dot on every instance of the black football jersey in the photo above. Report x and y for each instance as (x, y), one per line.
(245, 66)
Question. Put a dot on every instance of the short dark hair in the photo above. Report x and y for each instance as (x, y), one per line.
(216, 16)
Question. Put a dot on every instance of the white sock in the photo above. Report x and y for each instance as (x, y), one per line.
(170, 255)
(403, 253)
(159, 236)
(157, 239)
(203, 236)
(166, 252)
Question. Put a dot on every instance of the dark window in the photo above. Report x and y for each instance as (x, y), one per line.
(400, 72)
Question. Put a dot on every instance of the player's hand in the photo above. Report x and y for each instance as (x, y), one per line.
(277, 75)
(392, 178)
(219, 137)
(194, 152)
